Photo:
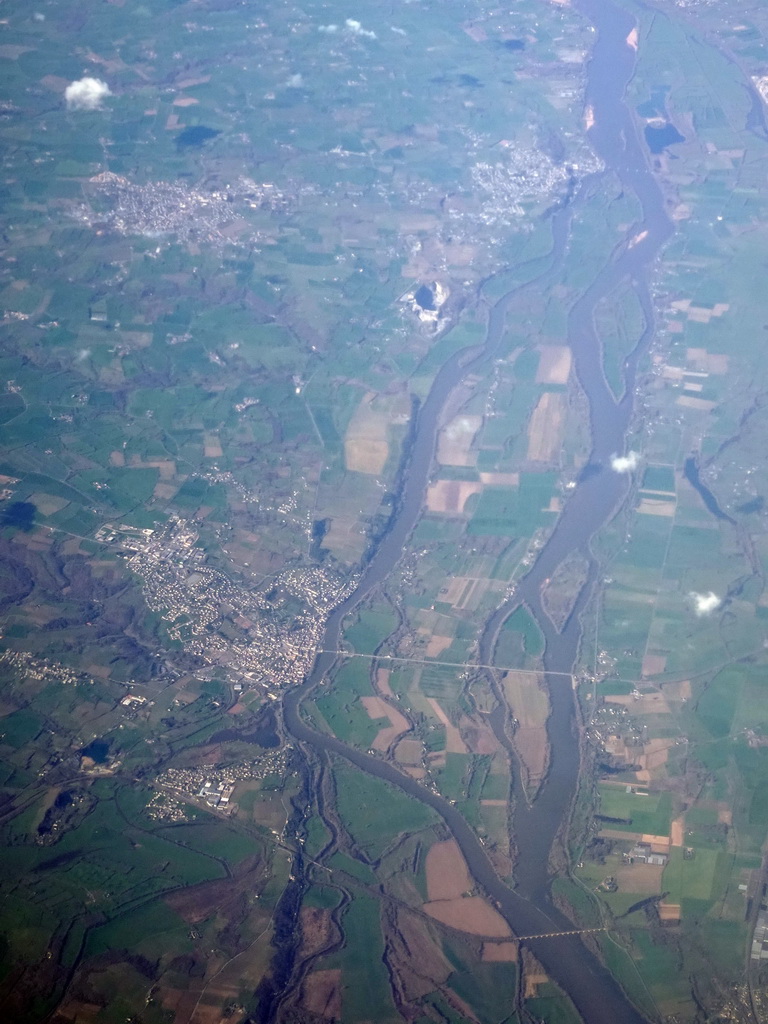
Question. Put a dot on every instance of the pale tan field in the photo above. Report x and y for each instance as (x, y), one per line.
(447, 874)
(165, 467)
(164, 491)
(649, 704)
(450, 496)
(141, 339)
(655, 753)
(554, 364)
(382, 682)
(344, 539)
(378, 708)
(465, 592)
(434, 255)
(653, 664)
(478, 736)
(212, 447)
(365, 455)
(366, 448)
(545, 429)
(702, 404)
(680, 690)
(669, 911)
(453, 589)
(643, 879)
(500, 479)
(656, 507)
(454, 744)
(471, 914)
(455, 441)
(529, 703)
(409, 752)
(375, 706)
(706, 362)
(658, 844)
(533, 976)
(438, 644)
(700, 314)
(47, 504)
(188, 83)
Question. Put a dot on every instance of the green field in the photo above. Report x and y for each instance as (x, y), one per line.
(368, 807)
(649, 814)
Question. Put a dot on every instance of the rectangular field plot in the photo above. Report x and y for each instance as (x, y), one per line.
(650, 815)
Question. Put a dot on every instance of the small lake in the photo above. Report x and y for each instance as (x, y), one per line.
(659, 137)
(691, 472)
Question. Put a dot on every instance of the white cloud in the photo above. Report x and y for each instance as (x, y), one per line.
(86, 94)
(295, 81)
(399, 31)
(352, 27)
(625, 463)
(705, 604)
(355, 28)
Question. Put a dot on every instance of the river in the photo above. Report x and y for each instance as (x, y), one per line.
(528, 908)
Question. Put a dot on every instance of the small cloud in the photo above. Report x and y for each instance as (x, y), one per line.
(625, 463)
(38, 16)
(83, 354)
(705, 604)
(86, 94)
(398, 31)
(295, 82)
(355, 28)
(351, 27)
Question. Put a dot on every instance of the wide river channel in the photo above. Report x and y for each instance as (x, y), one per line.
(528, 907)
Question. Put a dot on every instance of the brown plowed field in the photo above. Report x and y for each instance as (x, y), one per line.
(378, 708)
(471, 914)
(322, 993)
(447, 872)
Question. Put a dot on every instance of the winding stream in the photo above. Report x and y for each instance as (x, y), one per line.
(528, 909)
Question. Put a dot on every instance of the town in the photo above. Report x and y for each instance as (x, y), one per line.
(218, 217)
(227, 623)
